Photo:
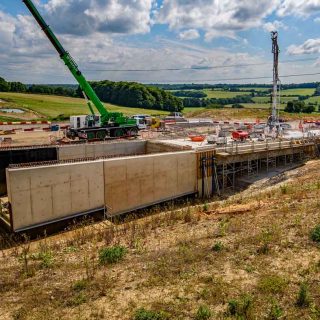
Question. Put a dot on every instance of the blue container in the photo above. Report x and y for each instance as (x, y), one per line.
(55, 127)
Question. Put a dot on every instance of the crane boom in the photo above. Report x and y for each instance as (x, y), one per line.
(69, 62)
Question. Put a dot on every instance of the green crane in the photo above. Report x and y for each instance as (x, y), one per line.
(113, 124)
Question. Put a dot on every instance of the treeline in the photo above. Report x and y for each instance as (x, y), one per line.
(136, 95)
(297, 106)
(233, 87)
(204, 103)
(68, 91)
(190, 94)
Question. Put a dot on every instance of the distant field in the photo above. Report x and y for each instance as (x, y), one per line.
(255, 89)
(53, 106)
(298, 92)
(220, 94)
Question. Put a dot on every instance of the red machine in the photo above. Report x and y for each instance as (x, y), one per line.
(240, 135)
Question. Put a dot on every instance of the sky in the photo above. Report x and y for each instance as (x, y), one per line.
(212, 41)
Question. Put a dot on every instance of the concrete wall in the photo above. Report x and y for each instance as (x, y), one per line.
(95, 150)
(43, 194)
(137, 182)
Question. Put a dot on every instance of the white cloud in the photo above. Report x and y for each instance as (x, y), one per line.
(303, 8)
(311, 46)
(190, 34)
(274, 26)
(218, 18)
(317, 20)
(84, 17)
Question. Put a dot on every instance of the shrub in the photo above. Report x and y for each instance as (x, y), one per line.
(143, 314)
(80, 285)
(272, 284)
(242, 308)
(276, 312)
(217, 247)
(112, 255)
(303, 299)
(203, 313)
(315, 234)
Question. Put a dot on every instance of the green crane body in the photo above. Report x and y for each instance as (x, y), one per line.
(116, 118)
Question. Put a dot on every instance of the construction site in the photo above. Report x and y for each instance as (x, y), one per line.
(107, 163)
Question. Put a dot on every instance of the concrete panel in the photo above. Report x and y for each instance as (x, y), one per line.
(42, 194)
(94, 150)
(132, 183)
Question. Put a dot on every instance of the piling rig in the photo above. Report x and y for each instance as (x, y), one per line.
(273, 120)
(94, 126)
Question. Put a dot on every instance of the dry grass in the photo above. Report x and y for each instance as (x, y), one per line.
(172, 265)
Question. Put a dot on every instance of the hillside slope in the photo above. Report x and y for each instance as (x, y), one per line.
(247, 257)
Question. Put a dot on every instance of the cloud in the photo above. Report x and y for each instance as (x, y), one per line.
(274, 26)
(190, 34)
(218, 18)
(302, 8)
(85, 17)
(317, 20)
(311, 46)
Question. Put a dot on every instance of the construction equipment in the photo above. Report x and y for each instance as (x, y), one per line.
(89, 127)
(240, 135)
(273, 120)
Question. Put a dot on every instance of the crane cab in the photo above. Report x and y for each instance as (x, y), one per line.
(85, 121)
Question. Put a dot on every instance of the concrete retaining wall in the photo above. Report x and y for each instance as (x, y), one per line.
(43, 194)
(137, 182)
(39, 195)
(95, 150)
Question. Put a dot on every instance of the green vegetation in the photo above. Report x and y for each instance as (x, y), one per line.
(303, 298)
(272, 284)
(203, 313)
(143, 314)
(315, 234)
(299, 107)
(242, 307)
(112, 255)
(52, 107)
(133, 95)
(218, 246)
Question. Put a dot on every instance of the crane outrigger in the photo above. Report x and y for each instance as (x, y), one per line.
(89, 127)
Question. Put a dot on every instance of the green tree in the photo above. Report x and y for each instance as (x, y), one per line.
(4, 85)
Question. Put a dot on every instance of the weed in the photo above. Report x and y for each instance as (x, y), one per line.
(241, 308)
(315, 234)
(143, 314)
(78, 299)
(272, 284)
(80, 285)
(24, 257)
(223, 228)
(203, 313)
(112, 254)
(205, 207)
(218, 246)
(284, 189)
(303, 298)
(276, 312)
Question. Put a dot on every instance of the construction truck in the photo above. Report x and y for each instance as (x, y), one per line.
(93, 126)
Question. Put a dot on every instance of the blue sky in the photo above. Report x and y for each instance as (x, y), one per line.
(150, 34)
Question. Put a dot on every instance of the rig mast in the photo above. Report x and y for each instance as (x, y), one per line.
(274, 118)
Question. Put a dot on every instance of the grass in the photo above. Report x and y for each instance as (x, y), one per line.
(218, 94)
(298, 92)
(52, 106)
